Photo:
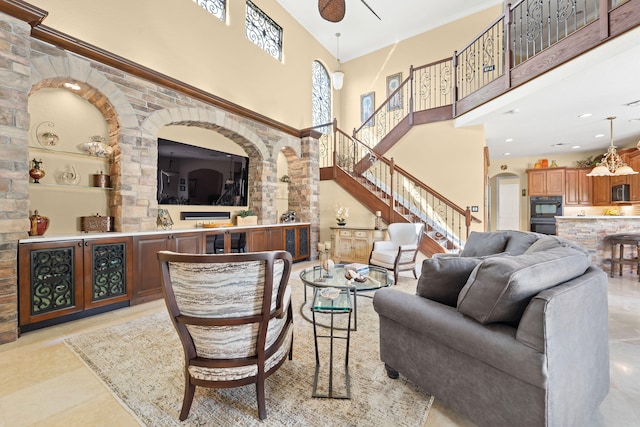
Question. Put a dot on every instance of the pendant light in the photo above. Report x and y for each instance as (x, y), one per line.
(611, 163)
(338, 75)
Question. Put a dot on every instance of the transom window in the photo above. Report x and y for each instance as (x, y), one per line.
(263, 31)
(321, 96)
(217, 8)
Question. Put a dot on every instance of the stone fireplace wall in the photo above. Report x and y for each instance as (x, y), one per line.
(135, 109)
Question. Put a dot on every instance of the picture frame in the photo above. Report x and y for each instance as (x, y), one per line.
(393, 82)
(367, 107)
(182, 182)
(183, 188)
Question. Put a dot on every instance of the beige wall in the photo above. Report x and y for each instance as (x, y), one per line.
(182, 40)
(369, 72)
(449, 160)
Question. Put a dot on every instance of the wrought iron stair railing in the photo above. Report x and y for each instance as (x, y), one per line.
(403, 195)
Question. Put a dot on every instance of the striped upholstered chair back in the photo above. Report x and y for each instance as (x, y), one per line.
(233, 315)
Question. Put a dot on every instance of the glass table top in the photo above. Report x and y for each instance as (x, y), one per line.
(375, 278)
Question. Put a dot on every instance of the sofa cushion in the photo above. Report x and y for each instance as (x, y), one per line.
(499, 288)
(481, 244)
(442, 278)
(519, 241)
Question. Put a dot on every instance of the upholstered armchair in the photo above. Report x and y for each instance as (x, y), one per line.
(399, 253)
(233, 315)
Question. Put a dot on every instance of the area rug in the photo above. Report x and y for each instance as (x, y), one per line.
(141, 362)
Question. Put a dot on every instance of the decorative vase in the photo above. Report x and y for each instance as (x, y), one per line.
(36, 172)
(553, 164)
(39, 224)
(341, 223)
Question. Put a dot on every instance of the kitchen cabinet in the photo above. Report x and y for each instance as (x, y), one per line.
(546, 182)
(600, 190)
(578, 187)
(147, 285)
(63, 278)
(297, 241)
(354, 244)
(634, 180)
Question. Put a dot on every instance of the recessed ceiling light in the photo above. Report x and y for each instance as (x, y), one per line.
(514, 111)
(575, 146)
(585, 115)
(600, 135)
(558, 145)
(508, 140)
(507, 154)
(72, 86)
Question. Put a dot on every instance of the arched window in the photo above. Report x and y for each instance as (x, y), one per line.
(321, 97)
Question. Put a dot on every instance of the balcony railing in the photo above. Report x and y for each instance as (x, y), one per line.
(526, 29)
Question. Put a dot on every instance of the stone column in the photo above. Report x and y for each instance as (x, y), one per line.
(14, 164)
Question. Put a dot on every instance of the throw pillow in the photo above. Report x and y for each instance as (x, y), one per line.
(519, 241)
(500, 288)
(481, 244)
(442, 278)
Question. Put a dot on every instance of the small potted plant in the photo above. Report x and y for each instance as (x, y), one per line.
(246, 217)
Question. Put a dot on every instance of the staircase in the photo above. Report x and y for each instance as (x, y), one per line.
(380, 185)
(526, 41)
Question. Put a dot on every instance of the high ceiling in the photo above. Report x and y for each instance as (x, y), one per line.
(542, 117)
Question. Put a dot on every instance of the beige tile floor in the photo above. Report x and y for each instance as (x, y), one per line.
(43, 384)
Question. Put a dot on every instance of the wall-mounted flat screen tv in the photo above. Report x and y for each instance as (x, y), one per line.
(190, 175)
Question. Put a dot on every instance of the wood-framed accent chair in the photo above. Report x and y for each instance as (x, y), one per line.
(233, 315)
(400, 252)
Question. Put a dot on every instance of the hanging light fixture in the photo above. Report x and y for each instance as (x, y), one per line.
(611, 163)
(338, 75)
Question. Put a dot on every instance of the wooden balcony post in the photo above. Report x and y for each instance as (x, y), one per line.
(604, 6)
(508, 53)
(334, 172)
(411, 106)
(467, 219)
(392, 202)
(454, 83)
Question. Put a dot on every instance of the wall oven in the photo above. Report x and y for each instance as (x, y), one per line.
(544, 210)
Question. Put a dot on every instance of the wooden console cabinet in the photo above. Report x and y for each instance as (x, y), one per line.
(60, 280)
(67, 277)
(147, 285)
(354, 244)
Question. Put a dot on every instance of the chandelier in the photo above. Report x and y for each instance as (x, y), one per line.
(611, 163)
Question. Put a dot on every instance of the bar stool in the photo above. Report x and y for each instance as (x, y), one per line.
(620, 240)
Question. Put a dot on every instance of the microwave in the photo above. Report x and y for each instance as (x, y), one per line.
(620, 193)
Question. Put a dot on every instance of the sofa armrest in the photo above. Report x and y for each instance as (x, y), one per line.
(406, 248)
(493, 344)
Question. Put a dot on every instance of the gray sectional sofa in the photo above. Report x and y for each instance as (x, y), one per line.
(511, 332)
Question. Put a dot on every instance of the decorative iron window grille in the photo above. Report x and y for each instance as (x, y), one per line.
(263, 31)
(321, 95)
(217, 8)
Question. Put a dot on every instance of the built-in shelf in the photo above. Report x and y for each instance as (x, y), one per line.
(66, 186)
(72, 154)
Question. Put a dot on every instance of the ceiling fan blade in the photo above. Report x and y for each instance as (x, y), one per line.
(369, 7)
(332, 10)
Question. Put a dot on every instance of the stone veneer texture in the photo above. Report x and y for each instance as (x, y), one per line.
(135, 109)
